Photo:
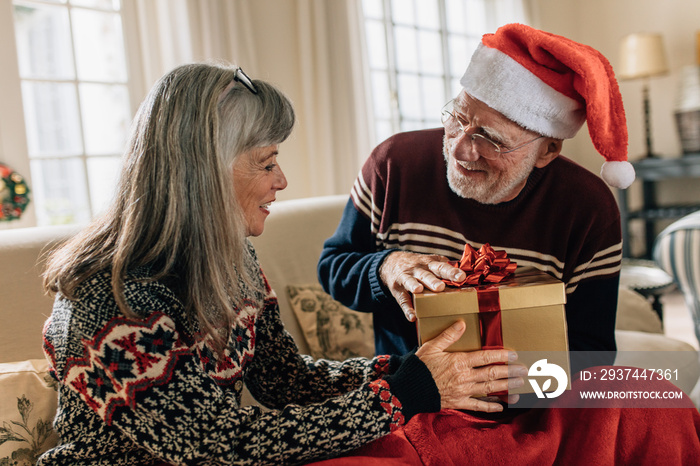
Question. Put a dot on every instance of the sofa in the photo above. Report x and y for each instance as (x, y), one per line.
(288, 251)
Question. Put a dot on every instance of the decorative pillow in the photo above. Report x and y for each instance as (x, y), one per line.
(331, 330)
(634, 312)
(28, 402)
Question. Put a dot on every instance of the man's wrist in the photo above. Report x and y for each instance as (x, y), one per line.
(380, 292)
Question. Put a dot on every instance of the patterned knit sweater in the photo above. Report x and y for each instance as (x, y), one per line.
(150, 390)
(564, 222)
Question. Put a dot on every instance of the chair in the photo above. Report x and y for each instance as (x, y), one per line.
(677, 251)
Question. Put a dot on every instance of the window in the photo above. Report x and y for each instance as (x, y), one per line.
(73, 74)
(417, 50)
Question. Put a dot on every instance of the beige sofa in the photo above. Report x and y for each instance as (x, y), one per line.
(288, 251)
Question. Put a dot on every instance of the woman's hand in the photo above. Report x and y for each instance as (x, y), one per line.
(406, 272)
(463, 378)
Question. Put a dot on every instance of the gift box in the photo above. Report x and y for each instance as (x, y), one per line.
(523, 311)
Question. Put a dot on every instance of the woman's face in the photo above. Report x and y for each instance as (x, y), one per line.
(256, 178)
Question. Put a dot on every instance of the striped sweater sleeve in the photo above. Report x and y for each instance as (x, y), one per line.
(349, 265)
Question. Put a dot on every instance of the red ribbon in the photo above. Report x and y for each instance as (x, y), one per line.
(490, 328)
(486, 266)
(483, 266)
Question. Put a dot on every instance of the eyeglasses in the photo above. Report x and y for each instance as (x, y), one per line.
(485, 147)
(243, 78)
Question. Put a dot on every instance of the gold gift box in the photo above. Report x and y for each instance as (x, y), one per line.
(533, 319)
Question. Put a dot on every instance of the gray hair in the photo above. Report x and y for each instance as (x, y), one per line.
(268, 118)
(175, 210)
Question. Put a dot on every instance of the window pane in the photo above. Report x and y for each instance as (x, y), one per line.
(510, 11)
(430, 52)
(428, 46)
(409, 96)
(103, 173)
(376, 44)
(384, 130)
(101, 4)
(455, 12)
(411, 125)
(373, 9)
(381, 95)
(105, 132)
(476, 19)
(433, 97)
(52, 120)
(460, 50)
(455, 86)
(43, 41)
(460, 55)
(61, 196)
(99, 46)
(406, 48)
(433, 123)
(427, 14)
(402, 12)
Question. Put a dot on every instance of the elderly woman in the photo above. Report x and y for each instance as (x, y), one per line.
(162, 312)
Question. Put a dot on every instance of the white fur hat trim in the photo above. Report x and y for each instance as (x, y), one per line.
(503, 84)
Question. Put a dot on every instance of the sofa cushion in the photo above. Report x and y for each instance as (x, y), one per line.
(291, 244)
(25, 306)
(27, 408)
(331, 330)
(634, 312)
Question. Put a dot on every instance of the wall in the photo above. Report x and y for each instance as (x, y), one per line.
(12, 149)
(602, 24)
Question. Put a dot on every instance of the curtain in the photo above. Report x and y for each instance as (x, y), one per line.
(162, 34)
(309, 48)
(334, 97)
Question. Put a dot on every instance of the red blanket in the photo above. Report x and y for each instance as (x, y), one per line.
(569, 432)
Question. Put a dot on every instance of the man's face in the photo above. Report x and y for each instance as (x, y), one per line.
(470, 175)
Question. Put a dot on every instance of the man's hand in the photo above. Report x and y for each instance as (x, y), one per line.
(406, 272)
(462, 377)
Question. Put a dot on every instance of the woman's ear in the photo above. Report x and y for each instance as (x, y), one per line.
(553, 149)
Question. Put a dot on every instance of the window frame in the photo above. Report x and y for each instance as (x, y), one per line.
(14, 149)
(397, 120)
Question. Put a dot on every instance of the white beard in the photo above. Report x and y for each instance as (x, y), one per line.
(500, 184)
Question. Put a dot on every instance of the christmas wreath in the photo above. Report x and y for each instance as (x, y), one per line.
(14, 194)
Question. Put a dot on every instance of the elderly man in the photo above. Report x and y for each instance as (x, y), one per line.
(493, 174)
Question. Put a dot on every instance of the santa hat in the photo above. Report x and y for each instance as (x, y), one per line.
(551, 85)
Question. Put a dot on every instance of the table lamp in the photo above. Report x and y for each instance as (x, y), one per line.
(643, 56)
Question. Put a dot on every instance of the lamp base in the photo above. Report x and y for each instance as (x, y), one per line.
(647, 120)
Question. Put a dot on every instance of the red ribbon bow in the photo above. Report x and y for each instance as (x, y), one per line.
(483, 266)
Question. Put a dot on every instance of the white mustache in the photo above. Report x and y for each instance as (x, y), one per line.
(469, 165)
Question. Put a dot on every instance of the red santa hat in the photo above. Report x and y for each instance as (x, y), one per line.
(551, 85)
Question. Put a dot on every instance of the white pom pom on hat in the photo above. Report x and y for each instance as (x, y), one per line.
(550, 85)
(617, 174)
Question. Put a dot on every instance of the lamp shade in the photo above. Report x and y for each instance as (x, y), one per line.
(642, 55)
